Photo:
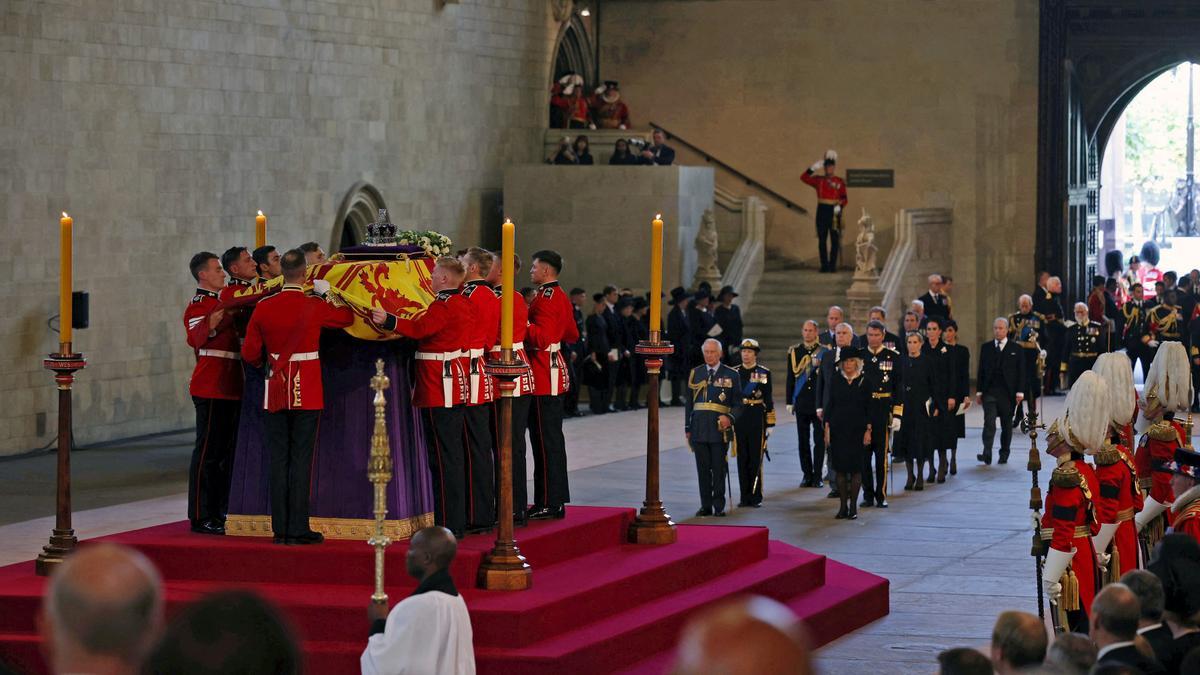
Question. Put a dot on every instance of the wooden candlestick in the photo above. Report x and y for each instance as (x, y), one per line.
(62, 537)
(504, 568)
(652, 524)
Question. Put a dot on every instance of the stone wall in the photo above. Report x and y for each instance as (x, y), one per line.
(161, 125)
(942, 91)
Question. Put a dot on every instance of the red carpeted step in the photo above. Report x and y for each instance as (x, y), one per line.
(22, 653)
(617, 641)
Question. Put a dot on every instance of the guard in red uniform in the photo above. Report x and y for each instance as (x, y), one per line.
(522, 395)
(1119, 497)
(1167, 391)
(441, 390)
(551, 323)
(568, 104)
(482, 334)
(1185, 481)
(1069, 576)
(831, 199)
(285, 333)
(216, 389)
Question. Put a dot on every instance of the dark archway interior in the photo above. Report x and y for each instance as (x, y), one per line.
(359, 208)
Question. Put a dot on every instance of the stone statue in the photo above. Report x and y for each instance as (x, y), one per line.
(864, 248)
(706, 251)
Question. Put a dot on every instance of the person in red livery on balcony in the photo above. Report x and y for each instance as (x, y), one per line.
(1069, 522)
(482, 335)
(551, 323)
(1119, 497)
(522, 395)
(568, 105)
(216, 390)
(441, 389)
(609, 111)
(284, 333)
(831, 199)
(1167, 391)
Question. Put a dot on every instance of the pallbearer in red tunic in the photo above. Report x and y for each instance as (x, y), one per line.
(441, 389)
(216, 389)
(522, 395)
(1069, 522)
(1167, 391)
(1119, 497)
(1185, 480)
(482, 335)
(285, 334)
(551, 323)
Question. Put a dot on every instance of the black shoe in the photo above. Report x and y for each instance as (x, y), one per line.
(743, 505)
(756, 505)
(841, 514)
(704, 513)
(881, 504)
(548, 512)
(209, 526)
(985, 458)
(1003, 459)
(279, 540)
(833, 494)
(867, 503)
(306, 539)
(719, 514)
(853, 513)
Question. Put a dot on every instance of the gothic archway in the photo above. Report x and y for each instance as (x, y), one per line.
(574, 51)
(359, 208)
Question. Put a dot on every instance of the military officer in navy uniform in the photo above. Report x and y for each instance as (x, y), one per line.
(890, 339)
(714, 401)
(880, 365)
(754, 425)
(1025, 328)
(1086, 340)
(804, 361)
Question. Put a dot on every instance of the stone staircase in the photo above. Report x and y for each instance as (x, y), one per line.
(787, 296)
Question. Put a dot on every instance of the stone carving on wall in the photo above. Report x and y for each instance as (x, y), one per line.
(865, 250)
(562, 9)
(706, 251)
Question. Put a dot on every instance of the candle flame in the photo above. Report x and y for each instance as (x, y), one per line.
(65, 215)
(658, 216)
(508, 221)
(260, 212)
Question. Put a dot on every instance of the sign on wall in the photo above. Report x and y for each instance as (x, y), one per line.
(870, 178)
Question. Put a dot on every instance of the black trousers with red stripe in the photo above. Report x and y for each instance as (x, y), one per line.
(480, 471)
(520, 423)
(291, 440)
(212, 458)
(549, 452)
(444, 445)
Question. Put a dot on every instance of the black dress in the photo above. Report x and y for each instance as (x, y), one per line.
(846, 414)
(913, 440)
(944, 433)
(961, 389)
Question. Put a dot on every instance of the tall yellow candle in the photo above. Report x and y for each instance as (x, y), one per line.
(260, 230)
(64, 278)
(656, 262)
(506, 284)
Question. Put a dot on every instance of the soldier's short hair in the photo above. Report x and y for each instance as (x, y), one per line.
(231, 255)
(835, 307)
(814, 323)
(309, 247)
(576, 291)
(198, 262)
(844, 325)
(481, 257)
(876, 325)
(551, 258)
(293, 264)
(609, 289)
(451, 265)
(262, 254)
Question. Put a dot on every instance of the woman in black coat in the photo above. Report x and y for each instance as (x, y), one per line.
(944, 435)
(912, 441)
(847, 429)
(961, 389)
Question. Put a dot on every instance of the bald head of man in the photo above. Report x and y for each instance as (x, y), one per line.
(102, 612)
(748, 635)
(1019, 640)
(1115, 614)
(431, 550)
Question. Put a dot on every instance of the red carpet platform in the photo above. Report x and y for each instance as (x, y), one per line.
(597, 605)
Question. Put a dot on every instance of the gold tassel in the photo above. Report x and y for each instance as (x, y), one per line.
(1114, 566)
(1070, 591)
(1154, 531)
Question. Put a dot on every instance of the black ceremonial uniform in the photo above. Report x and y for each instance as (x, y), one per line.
(801, 393)
(1084, 342)
(712, 395)
(882, 371)
(677, 363)
(750, 429)
(1137, 333)
(597, 368)
(1026, 331)
(1166, 324)
(890, 340)
(730, 320)
(1053, 331)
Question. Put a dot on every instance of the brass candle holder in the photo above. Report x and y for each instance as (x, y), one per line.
(379, 472)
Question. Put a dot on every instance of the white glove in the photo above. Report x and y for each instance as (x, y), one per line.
(1153, 343)
(569, 90)
(1057, 563)
(622, 127)
(320, 287)
(837, 210)
(564, 80)
(817, 166)
(895, 424)
(592, 127)
(1042, 354)
(1101, 541)
(601, 89)
(1102, 559)
(791, 409)
(1152, 509)
(1037, 521)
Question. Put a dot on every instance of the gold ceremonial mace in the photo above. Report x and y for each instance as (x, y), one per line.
(379, 472)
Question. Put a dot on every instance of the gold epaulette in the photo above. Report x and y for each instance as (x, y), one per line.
(770, 418)
(898, 410)
(1162, 430)
(1108, 455)
(1066, 476)
(1190, 511)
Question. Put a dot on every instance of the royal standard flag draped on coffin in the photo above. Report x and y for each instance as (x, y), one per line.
(401, 287)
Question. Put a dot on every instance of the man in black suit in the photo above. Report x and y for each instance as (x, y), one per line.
(1001, 381)
(1151, 599)
(936, 303)
(833, 317)
(678, 331)
(597, 361)
(616, 343)
(1114, 624)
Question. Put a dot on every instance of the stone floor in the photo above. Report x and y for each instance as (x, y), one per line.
(956, 554)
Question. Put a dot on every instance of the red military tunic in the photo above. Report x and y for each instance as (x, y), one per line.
(575, 109)
(441, 332)
(1187, 513)
(1068, 522)
(238, 299)
(286, 327)
(482, 334)
(1117, 499)
(551, 322)
(830, 189)
(218, 371)
(1156, 449)
(520, 319)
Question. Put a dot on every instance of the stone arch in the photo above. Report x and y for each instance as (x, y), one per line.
(359, 208)
(573, 52)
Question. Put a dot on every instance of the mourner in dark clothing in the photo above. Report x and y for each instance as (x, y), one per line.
(678, 334)
(804, 362)
(1084, 341)
(826, 375)
(944, 433)
(700, 325)
(960, 387)
(847, 429)
(713, 403)
(936, 303)
(1000, 383)
(596, 365)
(1025, 327)
(920, 407)
(729, 317)
(576, 353)
(622, 156)
(1138, 339)
(583, 154)
(882, 372)
(1047, 303)
(627, 389)
(754, 424)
